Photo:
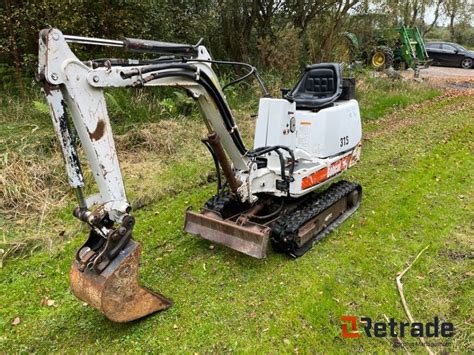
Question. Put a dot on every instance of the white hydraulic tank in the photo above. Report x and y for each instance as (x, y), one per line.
(276, 123)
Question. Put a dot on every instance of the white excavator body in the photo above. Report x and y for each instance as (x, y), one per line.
(272, 192)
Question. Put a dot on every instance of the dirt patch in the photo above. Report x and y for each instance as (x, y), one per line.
(459, 246)
(407, 116)
(457, 78)
(461, 84)
(447, 73)
(456, 254)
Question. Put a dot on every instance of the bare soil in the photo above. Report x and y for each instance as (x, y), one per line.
(447, 72)
(407, 117)
(456, 78)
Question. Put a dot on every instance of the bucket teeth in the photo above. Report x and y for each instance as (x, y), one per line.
(115, 291)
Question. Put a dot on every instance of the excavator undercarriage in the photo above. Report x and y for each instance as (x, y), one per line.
(272, 195)
(292, 226)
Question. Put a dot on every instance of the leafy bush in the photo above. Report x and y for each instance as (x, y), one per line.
(281, 52)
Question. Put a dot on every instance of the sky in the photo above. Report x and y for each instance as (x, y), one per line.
(429, 17)
(442, 20)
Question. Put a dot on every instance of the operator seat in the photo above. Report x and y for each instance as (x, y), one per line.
(319, 86)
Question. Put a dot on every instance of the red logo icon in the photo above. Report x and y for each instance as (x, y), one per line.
(353, 331)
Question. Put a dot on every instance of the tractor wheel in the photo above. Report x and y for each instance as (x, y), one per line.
(381, 58)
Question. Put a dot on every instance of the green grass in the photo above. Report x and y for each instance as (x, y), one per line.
(387, 96)
(417, 177)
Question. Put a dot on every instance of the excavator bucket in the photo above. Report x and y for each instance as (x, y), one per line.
(115, 291)
(249, 238)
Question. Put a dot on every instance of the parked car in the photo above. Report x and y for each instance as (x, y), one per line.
(450, 54)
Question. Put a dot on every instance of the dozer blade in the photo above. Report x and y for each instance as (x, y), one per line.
(251, 239)
(115, 291)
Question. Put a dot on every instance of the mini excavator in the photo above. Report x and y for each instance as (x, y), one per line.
(272, 193)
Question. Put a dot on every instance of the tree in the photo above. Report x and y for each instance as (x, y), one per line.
(437, 5)
(302, 12)
(453, 9)
(337, 19)
(9, 44)
(237, 20)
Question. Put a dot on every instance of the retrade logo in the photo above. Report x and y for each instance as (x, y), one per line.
(432, 329)
(352, 322)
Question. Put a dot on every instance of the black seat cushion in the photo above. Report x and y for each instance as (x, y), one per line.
(318, 86)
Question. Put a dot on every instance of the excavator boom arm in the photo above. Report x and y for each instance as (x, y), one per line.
(303, 141)
(104, 273)
(70, 83)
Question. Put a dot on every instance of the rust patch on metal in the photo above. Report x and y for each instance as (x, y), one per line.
(98, 132)
(115, 292)
(47, 87)
(214, 140)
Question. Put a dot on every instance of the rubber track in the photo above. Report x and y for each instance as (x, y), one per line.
(218, 202)
(285, 229)
(225, 205)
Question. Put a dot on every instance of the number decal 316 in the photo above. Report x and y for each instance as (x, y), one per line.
(344, 141)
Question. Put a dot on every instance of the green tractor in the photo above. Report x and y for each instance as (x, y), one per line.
(401, 47)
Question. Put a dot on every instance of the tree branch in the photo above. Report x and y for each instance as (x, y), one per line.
(402, 296)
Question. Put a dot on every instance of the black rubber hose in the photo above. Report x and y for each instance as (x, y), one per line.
(225, 111)
(253, 70)
(242, 78)
(169, 63)
(208, 86)
(282, 164)
(292, 166)
(274, 213)
(264, 150)
(155, 67)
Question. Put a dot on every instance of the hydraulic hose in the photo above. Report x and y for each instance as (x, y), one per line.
(189, 71)
(173, 61)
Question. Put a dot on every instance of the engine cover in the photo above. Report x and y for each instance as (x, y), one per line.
(311, 135)
(330, 131)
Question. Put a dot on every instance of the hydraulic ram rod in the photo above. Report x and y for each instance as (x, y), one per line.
(94, 41)
(137, 45)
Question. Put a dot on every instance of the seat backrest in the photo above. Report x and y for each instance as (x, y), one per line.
(318, 86)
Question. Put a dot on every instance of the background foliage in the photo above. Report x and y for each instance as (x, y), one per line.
(277, 34)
